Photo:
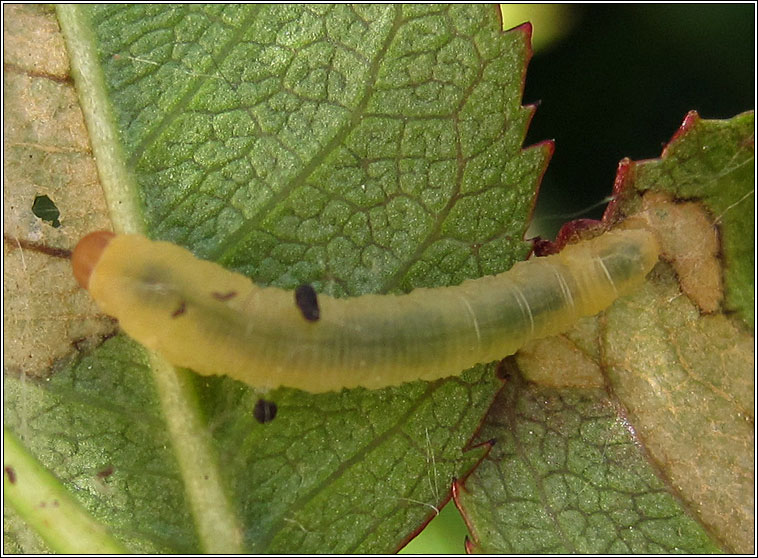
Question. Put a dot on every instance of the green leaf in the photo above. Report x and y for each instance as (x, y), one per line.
(361, 149)
(566, 476)
(634, 432)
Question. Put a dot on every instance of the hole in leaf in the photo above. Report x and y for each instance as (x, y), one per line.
(44, 208)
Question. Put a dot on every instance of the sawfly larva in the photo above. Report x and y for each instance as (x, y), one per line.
(201, 316)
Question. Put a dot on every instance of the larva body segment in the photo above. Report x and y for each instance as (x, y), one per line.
(169, 301)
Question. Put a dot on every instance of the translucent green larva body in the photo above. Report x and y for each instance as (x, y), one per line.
(201, 316)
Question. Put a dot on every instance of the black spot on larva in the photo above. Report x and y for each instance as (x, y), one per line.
(11, 472)
(264, 411)
(224, 296)
(179, 311)
(307, 301)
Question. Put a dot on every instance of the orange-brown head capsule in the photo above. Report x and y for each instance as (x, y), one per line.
(87, 253)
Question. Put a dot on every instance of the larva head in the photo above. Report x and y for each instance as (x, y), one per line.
(87, 253)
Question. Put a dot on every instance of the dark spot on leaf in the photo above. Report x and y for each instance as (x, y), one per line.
(44, 208)
(264, 411)
(507, 369)
(307, 301)
(105, 473)
(11, 472)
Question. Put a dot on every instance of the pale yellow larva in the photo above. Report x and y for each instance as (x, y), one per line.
(201, 316)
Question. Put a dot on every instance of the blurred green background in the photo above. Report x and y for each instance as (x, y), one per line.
(620, 81)
(615, 81)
